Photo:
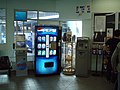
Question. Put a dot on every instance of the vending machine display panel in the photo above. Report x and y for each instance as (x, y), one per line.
(46, 50)
(41, 65)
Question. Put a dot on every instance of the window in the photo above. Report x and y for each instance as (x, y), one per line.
(48, 15)
(20, 15)
(31, 14)
(27, 27)
(2, 26)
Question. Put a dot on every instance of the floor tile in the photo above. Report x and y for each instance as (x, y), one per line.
(55, 82)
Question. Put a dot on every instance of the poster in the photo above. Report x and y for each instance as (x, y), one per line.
(109, 32)
(100, 23)
(99, 36)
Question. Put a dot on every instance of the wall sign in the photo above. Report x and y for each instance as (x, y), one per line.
(83, 9)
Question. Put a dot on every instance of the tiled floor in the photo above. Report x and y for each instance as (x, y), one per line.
(56, 82)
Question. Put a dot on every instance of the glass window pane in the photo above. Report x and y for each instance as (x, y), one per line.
(30, 25)
(20, 15)
(2, 33)
(48, 15)
(29, 28)
(2, 20)
(32, 14)
(18, 27)
(2, 26)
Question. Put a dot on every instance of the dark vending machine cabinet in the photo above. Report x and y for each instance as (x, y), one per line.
(47, 50)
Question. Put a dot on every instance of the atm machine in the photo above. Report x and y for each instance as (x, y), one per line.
(47, 50)
(82, 63)
(21, 55)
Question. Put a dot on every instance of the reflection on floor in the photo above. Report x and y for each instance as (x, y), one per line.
(56, 82)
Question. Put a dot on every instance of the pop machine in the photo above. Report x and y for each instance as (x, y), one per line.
(47, 50)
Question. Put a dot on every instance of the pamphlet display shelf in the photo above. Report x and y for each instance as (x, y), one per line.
(68, 62)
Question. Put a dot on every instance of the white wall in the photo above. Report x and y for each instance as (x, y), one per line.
(67, 9)
(46, 5)
(87, 32)
(106, 5)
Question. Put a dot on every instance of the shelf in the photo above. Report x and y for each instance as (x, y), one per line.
(69, 71)
(68, 61)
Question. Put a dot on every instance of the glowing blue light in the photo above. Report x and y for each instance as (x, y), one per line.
(20, 16)
(47, 33)
(40, 65)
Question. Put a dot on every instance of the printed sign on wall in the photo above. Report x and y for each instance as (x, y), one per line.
(83, 9)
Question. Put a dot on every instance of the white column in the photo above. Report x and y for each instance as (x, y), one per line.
(116, 20)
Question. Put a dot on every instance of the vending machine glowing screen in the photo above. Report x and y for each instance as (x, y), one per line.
(46, 52)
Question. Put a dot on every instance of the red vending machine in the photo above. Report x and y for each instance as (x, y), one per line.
(47, 50)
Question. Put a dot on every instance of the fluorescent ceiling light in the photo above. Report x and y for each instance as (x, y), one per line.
(49, 17)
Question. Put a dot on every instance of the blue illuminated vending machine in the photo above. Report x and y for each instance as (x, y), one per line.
(47, 50)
